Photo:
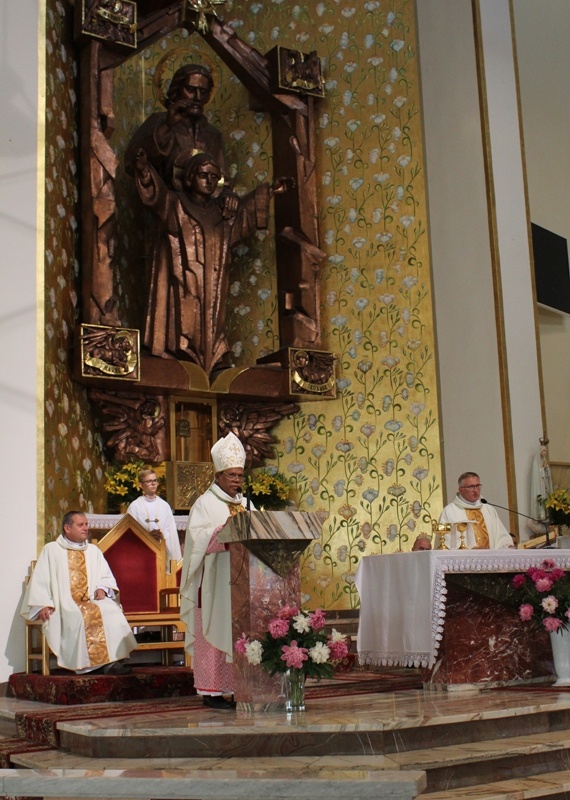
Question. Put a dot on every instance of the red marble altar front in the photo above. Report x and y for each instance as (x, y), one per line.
(485, 642)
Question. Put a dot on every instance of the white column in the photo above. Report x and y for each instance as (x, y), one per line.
(488, 368)
(517, 308)
(18, 317)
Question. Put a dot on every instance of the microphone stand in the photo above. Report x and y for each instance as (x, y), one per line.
(526, 516)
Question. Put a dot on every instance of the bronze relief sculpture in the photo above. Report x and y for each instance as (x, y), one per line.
(192, 254)
(177, 161)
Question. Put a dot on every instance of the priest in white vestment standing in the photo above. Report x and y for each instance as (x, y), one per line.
(155, 515)
(205, 586)
(474, 518)
(72, 590)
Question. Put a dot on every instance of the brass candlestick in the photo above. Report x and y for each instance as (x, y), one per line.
(441, 528)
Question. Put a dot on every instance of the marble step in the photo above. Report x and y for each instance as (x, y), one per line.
(7, 729)
(223, 784)
(553, 785)
(296, 764)
(446, 767)
(473, 763)
(363, 724)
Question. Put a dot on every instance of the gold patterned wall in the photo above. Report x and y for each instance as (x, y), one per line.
(371, 457)
(73, 446)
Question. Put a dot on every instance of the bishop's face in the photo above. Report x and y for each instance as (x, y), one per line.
(230, 480)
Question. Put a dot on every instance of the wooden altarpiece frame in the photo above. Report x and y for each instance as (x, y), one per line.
(298, 254)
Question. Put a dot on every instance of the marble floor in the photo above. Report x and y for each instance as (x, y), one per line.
(505, 745)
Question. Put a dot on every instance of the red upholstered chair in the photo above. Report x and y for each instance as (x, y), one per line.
(147, 593)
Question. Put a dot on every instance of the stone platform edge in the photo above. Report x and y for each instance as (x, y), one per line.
(222, 785)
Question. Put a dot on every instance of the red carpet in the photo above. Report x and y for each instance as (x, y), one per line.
(349, 683)
(533, 687)
(10, 747)
(145, 683)
(41, 726)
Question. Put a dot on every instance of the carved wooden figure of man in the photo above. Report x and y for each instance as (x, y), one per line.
(191, 258)
(181, 129)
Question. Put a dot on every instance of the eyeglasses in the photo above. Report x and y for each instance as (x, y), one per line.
(474, 486)
(153, 480)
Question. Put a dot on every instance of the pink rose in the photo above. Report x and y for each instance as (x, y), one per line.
(339, 650)
(535, 573)
(317, 620)
(518, 581)
(294, 656)
(287, 612)
(552, 624)
(239, 646)
(525, 612)
(557, 574)
(278, 627)
(543, 584)
(548, 563)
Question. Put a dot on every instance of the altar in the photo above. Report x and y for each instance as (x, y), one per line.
(443, 610)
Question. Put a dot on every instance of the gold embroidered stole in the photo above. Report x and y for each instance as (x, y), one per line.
(479, 527)
(235, 508)
(90, 611)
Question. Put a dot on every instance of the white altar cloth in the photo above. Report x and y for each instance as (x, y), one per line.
(403, 598)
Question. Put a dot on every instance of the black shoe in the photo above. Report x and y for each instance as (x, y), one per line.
(117, 668)
(218, 702)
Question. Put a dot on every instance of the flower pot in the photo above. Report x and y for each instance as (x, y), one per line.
(293, 690)
(561, 656)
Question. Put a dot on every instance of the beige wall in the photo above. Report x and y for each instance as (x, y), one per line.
(18, 185)
(461, 255)
(488, 363)
(543, 32)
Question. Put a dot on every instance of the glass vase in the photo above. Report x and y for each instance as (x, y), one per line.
(293, 690)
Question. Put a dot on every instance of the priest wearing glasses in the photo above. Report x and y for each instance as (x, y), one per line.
(476, 520)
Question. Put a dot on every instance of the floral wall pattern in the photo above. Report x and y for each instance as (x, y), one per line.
(370, 458)
(73, 457)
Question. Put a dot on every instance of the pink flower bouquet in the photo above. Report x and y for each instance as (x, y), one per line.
(545, 592)
(295, 640)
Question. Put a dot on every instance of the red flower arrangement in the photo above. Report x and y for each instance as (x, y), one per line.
(545, 592)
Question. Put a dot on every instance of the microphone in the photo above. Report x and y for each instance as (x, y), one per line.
(248, 498)
(519, 514)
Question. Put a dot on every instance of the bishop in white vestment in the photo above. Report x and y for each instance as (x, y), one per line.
(205, 586)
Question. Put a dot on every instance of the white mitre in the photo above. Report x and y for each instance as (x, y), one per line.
(228, 453)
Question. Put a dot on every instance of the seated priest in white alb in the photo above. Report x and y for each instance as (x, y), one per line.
(155, 515)
(72, 590)
(475, 519)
